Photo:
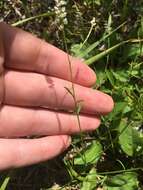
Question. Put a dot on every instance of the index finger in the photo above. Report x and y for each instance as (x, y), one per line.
(26, 52)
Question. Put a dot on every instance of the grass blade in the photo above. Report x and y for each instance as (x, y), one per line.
(5, 183)
(104, 53)
(20, 22)
(94, 45)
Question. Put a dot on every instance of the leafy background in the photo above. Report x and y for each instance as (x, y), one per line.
(108, 35)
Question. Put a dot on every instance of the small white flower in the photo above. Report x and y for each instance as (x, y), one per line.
(58, 12)
(65, 21)
(61, 14)
(62, 3)
(63, 9)
(93, 23)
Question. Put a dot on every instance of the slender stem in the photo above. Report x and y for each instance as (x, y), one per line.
(88, 35)
(73, 92)
(119, 171)
(20, 22)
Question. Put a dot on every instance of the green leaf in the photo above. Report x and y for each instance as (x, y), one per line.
(109, 23)
(118, 109)
(101, 78)
(76, 49)
(125, 181)
(109, 50)
(129, 139)
(110, 77)
(126, 138)
(90, 182)
(90, 155)
(98, 2)
(134, 50)
(121, 76)
(5, 183)
(104, 53)
(20, 22)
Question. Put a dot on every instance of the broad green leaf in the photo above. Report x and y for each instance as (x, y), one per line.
(90, 155)
(5, 183)
(126, 138)
(125, 181)
(129, 139)
(90, 182)
(119, 108)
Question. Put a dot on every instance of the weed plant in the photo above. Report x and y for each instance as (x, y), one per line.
(108, 35)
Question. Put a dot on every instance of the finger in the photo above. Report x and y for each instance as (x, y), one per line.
(26, 52)
(31, 89)
(21, 152)
(18, 121)
(1, 53)
(1, 68)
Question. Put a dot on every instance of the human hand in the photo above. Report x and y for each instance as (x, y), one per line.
(36, 75)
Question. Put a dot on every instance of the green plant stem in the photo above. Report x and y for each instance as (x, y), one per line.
(73, 89)
(88, 35)
(104, 53)
(119, 171)
(76, 175)
(20, 22)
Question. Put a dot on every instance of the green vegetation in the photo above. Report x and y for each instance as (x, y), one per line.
(108, 34)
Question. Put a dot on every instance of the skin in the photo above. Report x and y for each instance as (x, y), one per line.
(35, 76)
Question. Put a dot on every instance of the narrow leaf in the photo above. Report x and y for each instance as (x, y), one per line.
(104, 53)
(5, 183)
(20, 22)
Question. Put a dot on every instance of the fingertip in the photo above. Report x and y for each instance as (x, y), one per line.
(93, 126)
(111, 107)
(110, 104)
(84, 74)
(98, 122)
(98, 102)
(89, 122)
(66, 141)
(91, 76)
